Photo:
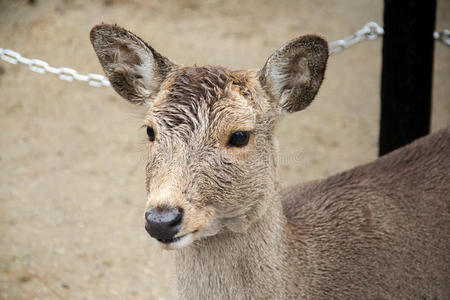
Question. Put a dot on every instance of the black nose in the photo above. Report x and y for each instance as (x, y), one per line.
(163, 224)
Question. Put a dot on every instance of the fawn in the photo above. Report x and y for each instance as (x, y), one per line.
(377, 231)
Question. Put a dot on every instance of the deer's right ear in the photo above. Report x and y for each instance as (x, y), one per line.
(134, 69)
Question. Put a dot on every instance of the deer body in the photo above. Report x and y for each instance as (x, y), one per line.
(376, 231)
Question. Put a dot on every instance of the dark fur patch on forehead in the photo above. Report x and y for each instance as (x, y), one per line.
(192, 91)
(205, 84)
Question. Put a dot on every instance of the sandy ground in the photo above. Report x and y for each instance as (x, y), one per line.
(71, 156)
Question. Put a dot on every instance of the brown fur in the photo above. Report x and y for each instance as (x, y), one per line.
(377, 231)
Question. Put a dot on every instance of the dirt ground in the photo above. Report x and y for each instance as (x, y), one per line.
(72, 156)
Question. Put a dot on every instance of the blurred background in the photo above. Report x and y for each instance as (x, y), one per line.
(72, 157)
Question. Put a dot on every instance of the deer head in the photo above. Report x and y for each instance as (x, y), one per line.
(211, 150)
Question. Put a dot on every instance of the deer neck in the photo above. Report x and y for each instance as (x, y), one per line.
(232, 265)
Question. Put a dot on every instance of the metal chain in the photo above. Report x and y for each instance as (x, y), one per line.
(42, 67)
(443, 36)
(370, 31)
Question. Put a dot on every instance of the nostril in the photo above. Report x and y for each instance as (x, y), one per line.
(178, 219)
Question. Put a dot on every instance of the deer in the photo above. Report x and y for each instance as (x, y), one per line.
(377, 231)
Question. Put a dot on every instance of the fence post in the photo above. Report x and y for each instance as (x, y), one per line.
(406, 81)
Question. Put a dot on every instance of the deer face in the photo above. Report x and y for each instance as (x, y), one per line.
(210, 152)
(211, 155)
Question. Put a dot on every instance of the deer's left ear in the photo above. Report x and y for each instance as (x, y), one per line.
(294, 73)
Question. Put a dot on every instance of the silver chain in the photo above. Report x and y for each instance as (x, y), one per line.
(42, 67)
(370, 31)
(443, 36)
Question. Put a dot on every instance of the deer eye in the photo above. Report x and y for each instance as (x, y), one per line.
(151, 134)
(239, 139)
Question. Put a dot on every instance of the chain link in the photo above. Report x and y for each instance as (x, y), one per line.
(443, 36)
(43, 67)
(370, 31)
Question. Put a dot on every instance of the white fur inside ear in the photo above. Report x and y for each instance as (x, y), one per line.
(284, 97)
(279, 78)
(287, 74)
(137, 60)
(146, 69)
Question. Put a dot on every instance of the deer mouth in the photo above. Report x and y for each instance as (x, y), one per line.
(173, 240)
(176, 242)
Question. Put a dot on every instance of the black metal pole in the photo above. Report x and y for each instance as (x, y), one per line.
(408, 46)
